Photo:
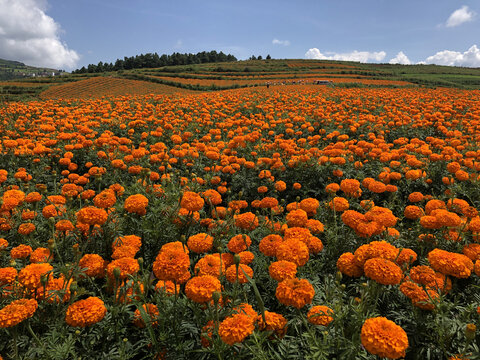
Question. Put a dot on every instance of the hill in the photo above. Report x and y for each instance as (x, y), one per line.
(10, 70)
(237, 74)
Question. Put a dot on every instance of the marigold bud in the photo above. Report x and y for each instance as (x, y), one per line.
(470, 331)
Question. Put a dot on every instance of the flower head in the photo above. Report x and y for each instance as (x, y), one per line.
(384, 338)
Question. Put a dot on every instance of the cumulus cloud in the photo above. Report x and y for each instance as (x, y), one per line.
(469, 58)
(360, 56)
(401, 58)
(460, 16)
(280, 42)
(29, 35)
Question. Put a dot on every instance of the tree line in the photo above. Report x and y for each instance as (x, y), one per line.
(154, 60)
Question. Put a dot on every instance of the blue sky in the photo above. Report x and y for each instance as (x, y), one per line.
(69, 34)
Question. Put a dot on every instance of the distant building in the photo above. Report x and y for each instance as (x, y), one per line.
(323, 82)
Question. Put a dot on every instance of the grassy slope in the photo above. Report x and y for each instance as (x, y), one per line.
(255, 73)
(16, 70)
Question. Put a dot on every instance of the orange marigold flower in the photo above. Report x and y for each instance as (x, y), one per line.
(127, 266)
(85, 312)
(269, 244)
(446, 218)
(64, 225)
(332, 188)
(346, 265)
(26, 228)
(127, 240)
(41, 255)
(280, 186)
(49, 211)
(17, 311)
(87, 194)
(200, 243)
(281, 270)
(136, 204)
(351, 187)
(381, 249)
(384, 338)
(383, 271)
(201, 288)
(415, 197)
(352, 218)
(297, 218)
(474, 224)
(92, 215)
(3, 244)
(377, 187)
(237, 204)
(105, 199)
(382, 216)
(246, 221)
(231, 273)
(175, 245)
(21, 251)
(210, 265)
(273, 322)
(449, 263)
(406, 256)
(92, 265)
(33, 197)
(421, 298)
(262, 189)
(472, 251)
(310, 205)
(430, 222)
(171, 264)
(31, 275)
(212, 196)
(413, 212)
(314, 245)
(320, 315)
(124, 251)
(434, 204)
(295, 292)
(56, 200)
(239, 243)
(246, 309)
(315, 226)
(168, 287)
(235, 328)
(246, 257)
(297, 233)
(56, 290)
(268, 202)
(191, 201)
(293, 250)
(8, 275)
(150, 312)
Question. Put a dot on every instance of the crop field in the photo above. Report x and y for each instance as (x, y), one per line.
(145, 221)
(96, 87)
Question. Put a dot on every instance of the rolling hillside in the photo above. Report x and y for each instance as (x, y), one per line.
(231, 75)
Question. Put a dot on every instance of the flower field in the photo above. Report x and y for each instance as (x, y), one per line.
(296, 222)
(106, 86)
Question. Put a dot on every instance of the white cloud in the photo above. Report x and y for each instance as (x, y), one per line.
(401, 58)
(29, 35)
(469, 58)
(360, 56)
(280, 42)
(460, 16)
